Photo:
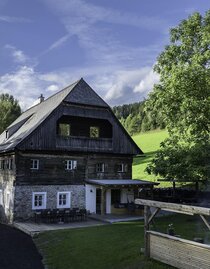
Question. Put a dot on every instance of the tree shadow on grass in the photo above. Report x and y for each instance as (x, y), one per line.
(144, 159)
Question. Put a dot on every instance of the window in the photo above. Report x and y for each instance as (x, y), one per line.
(39, 200)
(64, 129)
(2, 164)
(94, 131)
(100, 167)
(115, 196)
(121, 167)
(10, 164)
(1, 197)
(34, 164)
(64, 199)
(7, 199)
(70, 164)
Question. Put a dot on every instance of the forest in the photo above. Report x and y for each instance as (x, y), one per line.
(136, 118)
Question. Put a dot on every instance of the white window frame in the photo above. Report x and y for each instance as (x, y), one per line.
(68, 199)
(10, 164)
(7, 200)
(70, 164)
(100, 167)
(122, 170)
(1, 197)
(44, 202)
(35, 164)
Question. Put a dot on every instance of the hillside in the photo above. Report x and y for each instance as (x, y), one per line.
(135, 118)
(149, 142)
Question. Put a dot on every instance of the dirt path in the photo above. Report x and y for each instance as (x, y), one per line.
(17, 250)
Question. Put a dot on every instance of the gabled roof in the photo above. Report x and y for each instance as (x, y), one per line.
(31, 119)
(77, 93)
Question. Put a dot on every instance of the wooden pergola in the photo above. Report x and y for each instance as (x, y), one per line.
(175, 251)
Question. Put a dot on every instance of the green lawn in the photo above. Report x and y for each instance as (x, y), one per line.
(115, 246)
(149, 143)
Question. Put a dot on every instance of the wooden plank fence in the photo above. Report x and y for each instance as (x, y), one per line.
(175, 251)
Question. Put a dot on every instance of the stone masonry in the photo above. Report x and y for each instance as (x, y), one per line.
(23, 198)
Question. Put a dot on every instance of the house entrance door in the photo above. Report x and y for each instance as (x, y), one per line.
(98, 201)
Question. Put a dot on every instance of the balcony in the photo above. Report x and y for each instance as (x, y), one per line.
(84, 144)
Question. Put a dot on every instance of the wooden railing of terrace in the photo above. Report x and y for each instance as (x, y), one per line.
(172, 250)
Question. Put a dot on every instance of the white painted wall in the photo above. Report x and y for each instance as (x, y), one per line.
(90, 198)
(127, 196)
(108, 201)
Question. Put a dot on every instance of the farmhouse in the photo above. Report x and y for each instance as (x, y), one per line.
(67, 151)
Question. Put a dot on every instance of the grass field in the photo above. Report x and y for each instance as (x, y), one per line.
(115, 246)
(149, 143)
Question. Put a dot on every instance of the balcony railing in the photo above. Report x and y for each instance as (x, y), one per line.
(84, 143)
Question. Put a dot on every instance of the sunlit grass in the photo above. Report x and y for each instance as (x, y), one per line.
(149, 143)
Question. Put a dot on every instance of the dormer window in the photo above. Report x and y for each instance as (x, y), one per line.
(34, 164)
(121, 167)
(94, 131)
(100, 167)
(70, 164)
(64, 129)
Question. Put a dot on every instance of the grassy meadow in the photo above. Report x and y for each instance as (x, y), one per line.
(115, 246)
(149, 143)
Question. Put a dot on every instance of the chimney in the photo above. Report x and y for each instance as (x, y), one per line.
(41, 98)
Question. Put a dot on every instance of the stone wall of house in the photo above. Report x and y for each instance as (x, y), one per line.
(23, 198)
(7, 178)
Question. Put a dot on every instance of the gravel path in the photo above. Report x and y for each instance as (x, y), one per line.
(17, 250)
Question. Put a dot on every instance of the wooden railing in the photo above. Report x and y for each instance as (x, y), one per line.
(84, 143)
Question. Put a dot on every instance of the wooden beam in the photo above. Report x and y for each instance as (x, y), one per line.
(205, 221)
(146, 229)
(178, 208)
(103, 201)
(157, 210)
(174, 238)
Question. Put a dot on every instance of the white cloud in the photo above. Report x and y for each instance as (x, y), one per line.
(26, 85)
(19, 57)
(131, 85)
(116, 87)
(52, 88)
(57, 44)
(83, 20)
(10, 19)
(147, 83)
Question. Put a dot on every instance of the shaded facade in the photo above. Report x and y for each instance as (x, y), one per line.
(48, 154)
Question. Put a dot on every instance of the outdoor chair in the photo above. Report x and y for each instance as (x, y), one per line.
(82, 214)
(46, 216)
(37, 216)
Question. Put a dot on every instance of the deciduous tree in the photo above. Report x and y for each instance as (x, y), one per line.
(183, 98)
(9, 110)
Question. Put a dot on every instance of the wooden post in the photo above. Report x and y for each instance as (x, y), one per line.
(174, 188)
(152, 194)
(103, 201)
(146, 228)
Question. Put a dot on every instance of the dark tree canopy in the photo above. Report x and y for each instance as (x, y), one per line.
(9, 110)
(183, 99)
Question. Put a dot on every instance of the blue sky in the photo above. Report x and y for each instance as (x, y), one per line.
(113, 44)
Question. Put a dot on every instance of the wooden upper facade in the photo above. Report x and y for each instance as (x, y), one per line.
(70, 137)
(74, 120)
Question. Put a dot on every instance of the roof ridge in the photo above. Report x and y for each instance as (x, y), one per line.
(76, 82)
